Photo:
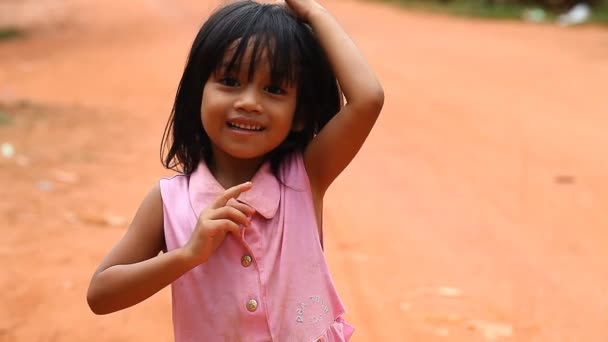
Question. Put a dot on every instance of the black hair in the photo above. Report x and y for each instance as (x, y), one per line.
(295, 57)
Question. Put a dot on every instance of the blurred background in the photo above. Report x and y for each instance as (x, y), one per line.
(476, 211)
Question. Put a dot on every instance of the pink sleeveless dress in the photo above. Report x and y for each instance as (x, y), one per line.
(271, 283)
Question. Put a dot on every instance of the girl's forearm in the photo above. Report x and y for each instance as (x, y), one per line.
(121, 286)
(357, 80)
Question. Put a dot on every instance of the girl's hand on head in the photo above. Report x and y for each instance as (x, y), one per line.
(224, 215)
(301, 8)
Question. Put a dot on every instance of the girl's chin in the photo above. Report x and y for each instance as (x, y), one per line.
(246, 154)
(243, 150)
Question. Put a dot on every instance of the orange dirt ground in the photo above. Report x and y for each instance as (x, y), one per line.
(477, 210)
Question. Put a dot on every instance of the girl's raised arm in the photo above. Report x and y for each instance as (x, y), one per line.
(339, 141)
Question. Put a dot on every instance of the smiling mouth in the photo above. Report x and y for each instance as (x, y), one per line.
(246, 127)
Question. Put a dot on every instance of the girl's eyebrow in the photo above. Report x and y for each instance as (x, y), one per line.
(223, 68)
(223, 65)
(227, 65)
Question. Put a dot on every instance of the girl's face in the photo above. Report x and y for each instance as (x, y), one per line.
(245, 118)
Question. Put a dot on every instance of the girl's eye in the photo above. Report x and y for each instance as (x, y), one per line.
(229, 81)
(276, 90)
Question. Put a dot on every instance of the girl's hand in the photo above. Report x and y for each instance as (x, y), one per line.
(224, 215)
(302, 8)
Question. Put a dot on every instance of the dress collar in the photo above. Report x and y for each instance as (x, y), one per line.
(264, 196)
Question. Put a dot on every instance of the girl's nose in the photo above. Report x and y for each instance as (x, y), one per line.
(248, 101)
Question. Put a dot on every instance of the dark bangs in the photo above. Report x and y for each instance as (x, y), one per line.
(294, 56)
(269, 32)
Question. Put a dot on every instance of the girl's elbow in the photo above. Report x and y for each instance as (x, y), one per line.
(96, 301)
(378, 98)
(375, 100)
(94, 304)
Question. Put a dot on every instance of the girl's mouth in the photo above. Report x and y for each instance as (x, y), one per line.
(246, 127)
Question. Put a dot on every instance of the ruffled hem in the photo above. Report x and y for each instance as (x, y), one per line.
(339, 331)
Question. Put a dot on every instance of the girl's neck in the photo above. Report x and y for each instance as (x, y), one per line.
(229, 171)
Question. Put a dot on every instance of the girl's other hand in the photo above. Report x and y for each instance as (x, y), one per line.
(224, 215)
(302, 8)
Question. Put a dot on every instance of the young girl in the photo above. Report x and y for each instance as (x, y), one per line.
(259, 133)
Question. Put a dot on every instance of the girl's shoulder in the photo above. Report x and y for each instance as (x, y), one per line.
(173, 187)
(175, 180)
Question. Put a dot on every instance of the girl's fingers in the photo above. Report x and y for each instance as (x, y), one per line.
(230, 213)
(233, 192)
(244, 208)
(227, 226)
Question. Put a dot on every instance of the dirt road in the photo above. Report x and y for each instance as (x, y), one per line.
(477, 211)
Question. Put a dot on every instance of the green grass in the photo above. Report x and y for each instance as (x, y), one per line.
(7, 33)
(472, 8)
(483, 9)
(600, 14)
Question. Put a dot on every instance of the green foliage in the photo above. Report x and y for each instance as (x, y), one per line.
(507, 9)
(476, 8)
(600, 13)
(7, 33)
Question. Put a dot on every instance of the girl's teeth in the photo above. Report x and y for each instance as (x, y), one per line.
(246, 127)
